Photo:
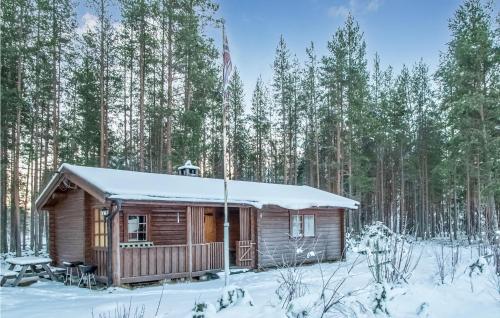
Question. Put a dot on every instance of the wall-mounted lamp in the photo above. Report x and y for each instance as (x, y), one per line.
(105, 212)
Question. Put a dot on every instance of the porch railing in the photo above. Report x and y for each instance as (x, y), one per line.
(99, 258)
(168, 261)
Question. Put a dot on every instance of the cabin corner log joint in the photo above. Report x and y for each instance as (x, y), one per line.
(177, 231)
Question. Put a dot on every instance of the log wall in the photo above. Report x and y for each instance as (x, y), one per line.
(274, 240)
(69, 227)
(167, 224)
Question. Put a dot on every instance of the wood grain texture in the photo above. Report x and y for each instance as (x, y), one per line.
(169, 261)
(275, 244)
(70, 227)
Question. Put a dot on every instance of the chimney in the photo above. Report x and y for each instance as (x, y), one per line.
(188, 169)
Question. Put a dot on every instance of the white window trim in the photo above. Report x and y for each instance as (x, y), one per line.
(136, 233)
(302, 221)
(305, 216)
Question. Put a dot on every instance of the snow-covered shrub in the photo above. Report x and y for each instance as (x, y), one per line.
(305, 306)
(202, 310)
(478, 267)
(423, 310)
(390, 256)
(232, 296)
(380, 298)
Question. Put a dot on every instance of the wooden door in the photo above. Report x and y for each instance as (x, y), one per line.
(210, 233)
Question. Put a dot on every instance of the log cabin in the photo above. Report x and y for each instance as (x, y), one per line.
(142, 227)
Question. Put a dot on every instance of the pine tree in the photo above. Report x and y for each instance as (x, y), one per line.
(237, 132)
(469, 78)
(312, 97)
(260, 130)
(284, 102)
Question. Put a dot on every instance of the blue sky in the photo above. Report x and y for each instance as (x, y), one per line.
(401, 31)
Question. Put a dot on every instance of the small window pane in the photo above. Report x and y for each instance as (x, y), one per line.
(296, 225)
(100, 238)
(137, 228)
(308, 225)
(133, 224)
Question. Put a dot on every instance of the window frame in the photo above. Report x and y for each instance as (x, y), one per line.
(304, 225)
(302, 217)
(126, 233)
(97, 234)
(293, 217)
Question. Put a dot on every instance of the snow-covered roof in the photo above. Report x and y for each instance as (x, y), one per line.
(188, 165)
(133, 185)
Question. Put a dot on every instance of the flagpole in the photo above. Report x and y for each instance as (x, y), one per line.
(224, 146)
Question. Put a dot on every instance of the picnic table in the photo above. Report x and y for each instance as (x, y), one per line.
(27, 262)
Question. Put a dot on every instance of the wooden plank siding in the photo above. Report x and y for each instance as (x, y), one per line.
(274, 241)
(52, 238)
(69, 227)
(244, 224)
(197, 224)
(169, 261)
(99, 258)
(179, 241)
(167, 224)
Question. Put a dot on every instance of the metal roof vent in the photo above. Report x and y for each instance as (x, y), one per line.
(188, 169)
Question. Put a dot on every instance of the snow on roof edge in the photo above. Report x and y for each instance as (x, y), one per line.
(311, 198)
(255, 204)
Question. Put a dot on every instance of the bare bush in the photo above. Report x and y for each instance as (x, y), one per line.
(123, 311)
(446, 258)
(329, 298)
(331, 294)
(494, 281)
(290, 270)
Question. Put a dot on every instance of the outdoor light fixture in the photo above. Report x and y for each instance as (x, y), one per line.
(104, 212)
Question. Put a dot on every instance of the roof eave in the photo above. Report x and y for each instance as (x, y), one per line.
(60, 174)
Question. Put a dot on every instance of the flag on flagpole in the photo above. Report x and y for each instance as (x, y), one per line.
(228, 65)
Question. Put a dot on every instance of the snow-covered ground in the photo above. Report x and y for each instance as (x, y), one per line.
(423, 296)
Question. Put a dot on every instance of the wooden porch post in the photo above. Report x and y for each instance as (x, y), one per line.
(342, 233)
(115, 248)
(189, 241)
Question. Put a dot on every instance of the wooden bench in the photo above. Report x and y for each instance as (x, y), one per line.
(7, 275)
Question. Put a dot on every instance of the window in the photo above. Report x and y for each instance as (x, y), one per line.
(303, 225)
(100, 237)
(308, 225)
(137, 228)
(296, 225)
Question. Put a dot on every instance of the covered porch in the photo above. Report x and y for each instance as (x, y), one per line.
(153, 243)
